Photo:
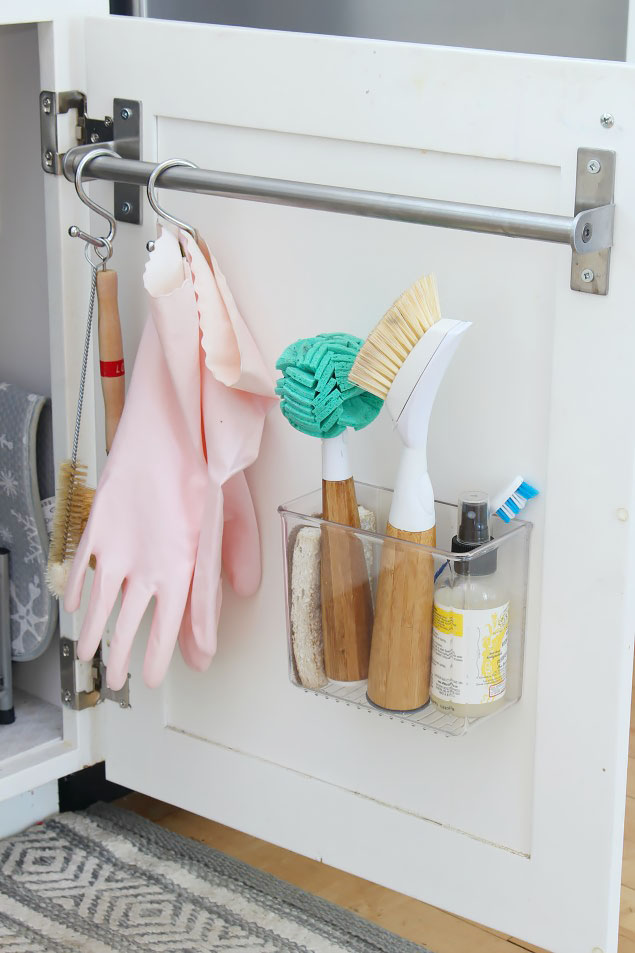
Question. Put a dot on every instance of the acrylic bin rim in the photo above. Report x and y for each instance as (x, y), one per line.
(510, 530)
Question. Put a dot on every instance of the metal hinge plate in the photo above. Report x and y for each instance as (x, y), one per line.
(87, 131)
(122, 129)
(86, 689)
(594, 188)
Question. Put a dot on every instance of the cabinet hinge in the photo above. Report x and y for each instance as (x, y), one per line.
(87, 131)
(122, 129)
(84, 683)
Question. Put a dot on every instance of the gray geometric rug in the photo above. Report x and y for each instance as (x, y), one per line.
(108, 881)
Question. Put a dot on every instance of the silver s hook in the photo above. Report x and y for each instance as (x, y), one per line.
(152, 198)
(102, 245)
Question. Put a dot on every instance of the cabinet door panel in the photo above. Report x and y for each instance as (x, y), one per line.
(517, 824)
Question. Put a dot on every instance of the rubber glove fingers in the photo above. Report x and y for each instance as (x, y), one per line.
(241, 537)
(166, 623)
(194, 656)
(134, 602)
(103, 596)
(77, 575)
(206, 591)
(240, 549)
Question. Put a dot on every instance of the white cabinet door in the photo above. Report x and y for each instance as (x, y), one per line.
(518, 824)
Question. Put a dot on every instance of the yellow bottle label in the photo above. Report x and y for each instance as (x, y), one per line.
(474, 670)
(447, 621)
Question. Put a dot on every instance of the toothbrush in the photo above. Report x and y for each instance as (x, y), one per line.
(318, 399)
(404, 359)
(509, 502)
(513, 498)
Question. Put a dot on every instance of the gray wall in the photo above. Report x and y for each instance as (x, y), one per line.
(581, 28)
(24, 333)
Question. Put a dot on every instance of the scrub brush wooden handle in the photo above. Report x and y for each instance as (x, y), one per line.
(110, 352)
(347, 616)
(399, 670)
(403, 360)
(318, 400)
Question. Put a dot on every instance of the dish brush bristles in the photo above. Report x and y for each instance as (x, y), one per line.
(72, 509)
(388, 345)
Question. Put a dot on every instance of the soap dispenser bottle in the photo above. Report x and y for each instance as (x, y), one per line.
(470, 622)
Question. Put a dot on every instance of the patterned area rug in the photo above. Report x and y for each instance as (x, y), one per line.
(107, 881)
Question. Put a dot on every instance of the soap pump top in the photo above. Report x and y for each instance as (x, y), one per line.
(473, 531)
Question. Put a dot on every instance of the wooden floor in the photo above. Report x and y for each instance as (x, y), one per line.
(440, 932)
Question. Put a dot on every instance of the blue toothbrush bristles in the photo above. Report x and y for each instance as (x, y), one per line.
(527, 491)
(518, 495)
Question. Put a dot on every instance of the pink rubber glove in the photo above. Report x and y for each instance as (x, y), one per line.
(240, 558)
(241, 538)
(148, 508)
(237, 392)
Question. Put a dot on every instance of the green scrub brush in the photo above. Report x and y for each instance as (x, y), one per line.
(319, 400)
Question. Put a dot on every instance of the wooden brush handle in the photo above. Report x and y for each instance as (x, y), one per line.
(399, 670)
(113, 383)
(347, 614)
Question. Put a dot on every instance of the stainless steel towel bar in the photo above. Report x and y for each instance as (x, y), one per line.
(589, 231)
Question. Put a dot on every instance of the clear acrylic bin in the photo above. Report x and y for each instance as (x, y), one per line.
(303, 533)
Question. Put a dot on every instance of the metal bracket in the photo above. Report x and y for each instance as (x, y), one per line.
(595, 183)
(87, 131)
(78, 698)
(123, 129)
(127, 119)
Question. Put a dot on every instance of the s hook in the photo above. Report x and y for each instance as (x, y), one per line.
(102, 245)
(152, 197)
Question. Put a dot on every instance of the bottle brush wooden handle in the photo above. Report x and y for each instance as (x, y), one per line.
(110, 352)
(399, 670)
(347, 614)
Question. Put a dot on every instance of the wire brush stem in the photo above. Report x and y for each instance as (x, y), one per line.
(73, 497)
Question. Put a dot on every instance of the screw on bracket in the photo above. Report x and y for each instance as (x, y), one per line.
(48, 157)
(67, 697)
(587, 231)
(587, 275)
(94, 137)
(46, 105)
(66, 651)
(125, 208)
(593, 166)
(607, 120)
(125, 113)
